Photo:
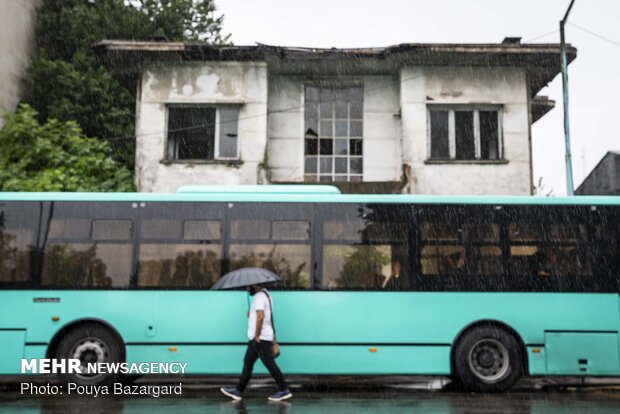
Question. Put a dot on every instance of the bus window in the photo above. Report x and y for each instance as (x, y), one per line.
(18, 223)
(178, 248)
(202, 230)
(82, 252)
(364, 248)
(176, 264)
(275, 237)
(460, 248)
(287, 254)
(549, 249)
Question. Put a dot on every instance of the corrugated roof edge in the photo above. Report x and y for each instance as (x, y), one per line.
(309, 198)
(270, 189)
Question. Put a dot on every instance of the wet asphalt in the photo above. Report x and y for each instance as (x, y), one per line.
(333, 395)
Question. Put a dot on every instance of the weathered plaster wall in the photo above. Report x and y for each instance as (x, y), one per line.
(382, 141)
(242, 83)
(389, 140)
(421, 86)
(16, 45)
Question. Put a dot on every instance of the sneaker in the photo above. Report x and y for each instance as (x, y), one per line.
(231, 392)
(280, 395)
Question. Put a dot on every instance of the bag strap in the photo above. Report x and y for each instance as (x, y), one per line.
(270, 312)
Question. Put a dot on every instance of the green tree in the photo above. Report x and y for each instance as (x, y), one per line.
(184, 19)
(55, 156)
(66, 82)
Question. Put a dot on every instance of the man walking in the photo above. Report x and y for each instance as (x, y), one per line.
(261, 336)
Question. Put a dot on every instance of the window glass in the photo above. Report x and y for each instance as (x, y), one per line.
(335, 129)
(160, 229)
(372, 266)
(526, 231)
(343, 230)
(69, 228)
(202, 230)
(461, 248)
(489, 135)
(364, 247)
(440, 260)
(179, 265)
(289, 261)
(440, 147)
(472, 131)
(112, 229)
(228, 132)
(480, 232)
(464, 133)
(76, 265)
(431, 230)
(249, 229)
(191, 132)
(290, 230)
(18, 223)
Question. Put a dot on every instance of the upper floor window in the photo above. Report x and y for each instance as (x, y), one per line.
(464, 133)
(333, 133)
(200, 132)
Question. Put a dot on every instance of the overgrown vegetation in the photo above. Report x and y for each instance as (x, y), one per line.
(55, 156)
(65, 81)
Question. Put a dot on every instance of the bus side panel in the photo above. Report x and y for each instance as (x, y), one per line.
(302, 359)
(12, 342)
(312, 326)
(582, 353)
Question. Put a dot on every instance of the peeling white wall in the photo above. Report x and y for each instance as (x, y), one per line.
(395, 126)
(242, 83)
(507, 87)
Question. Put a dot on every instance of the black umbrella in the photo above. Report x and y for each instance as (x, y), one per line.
(245, 277)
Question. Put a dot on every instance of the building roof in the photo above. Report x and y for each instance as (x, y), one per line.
(604, 179)
(542, 61)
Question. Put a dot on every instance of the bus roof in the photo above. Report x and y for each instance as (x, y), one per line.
(293, 197)
(256, 189)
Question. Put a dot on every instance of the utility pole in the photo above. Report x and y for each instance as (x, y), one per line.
(569, 163)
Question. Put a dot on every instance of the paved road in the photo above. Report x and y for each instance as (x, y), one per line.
(365, 397)
(393, 401)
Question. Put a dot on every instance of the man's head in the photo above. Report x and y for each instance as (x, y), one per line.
(252, 289)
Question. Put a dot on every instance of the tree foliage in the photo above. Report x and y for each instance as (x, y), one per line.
(66, 82)
(55, 156)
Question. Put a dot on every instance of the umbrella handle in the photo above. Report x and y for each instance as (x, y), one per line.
(247, 295)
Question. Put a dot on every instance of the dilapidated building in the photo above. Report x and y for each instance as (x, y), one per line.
(413, 118)
(604, 179)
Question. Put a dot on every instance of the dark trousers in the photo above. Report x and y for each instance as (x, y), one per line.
(263, 351)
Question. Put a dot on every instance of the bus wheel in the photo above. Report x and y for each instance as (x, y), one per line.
(91, 344)
(488, 359)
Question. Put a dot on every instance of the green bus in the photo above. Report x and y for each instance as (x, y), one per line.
(482, 289)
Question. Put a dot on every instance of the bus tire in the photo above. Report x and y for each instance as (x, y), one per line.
(94, 343)
(487, 359)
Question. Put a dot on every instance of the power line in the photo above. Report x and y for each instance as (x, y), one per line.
(613, 42)
(541, 36)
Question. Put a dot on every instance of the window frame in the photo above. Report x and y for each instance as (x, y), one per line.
(216, 133)
(332, 177)
(476, 109)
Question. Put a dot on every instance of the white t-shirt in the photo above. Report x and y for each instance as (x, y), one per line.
(260, 302)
